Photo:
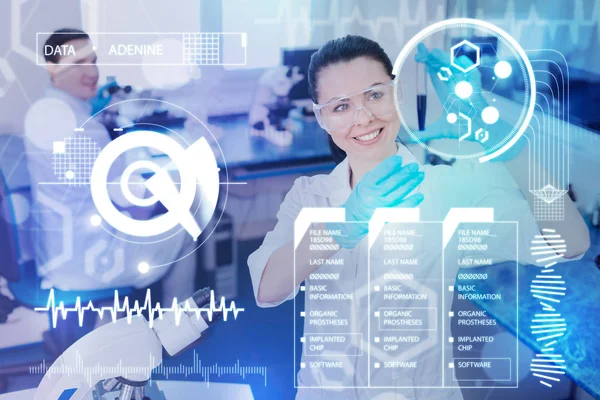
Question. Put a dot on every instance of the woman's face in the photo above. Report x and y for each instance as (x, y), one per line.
(372, 137)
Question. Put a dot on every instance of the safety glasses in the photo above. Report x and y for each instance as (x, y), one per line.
(341, 113)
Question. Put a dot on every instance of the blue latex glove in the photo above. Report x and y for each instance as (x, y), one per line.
(442, 129)
(102, 98)
(385, 186)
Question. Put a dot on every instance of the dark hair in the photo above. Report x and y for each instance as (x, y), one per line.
(344, 49)
(60, 37)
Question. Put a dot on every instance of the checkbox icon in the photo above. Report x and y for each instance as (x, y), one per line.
(302, 365)
(302, 339)
(377, 340)
(377, 314)
(377, 288)
(450, 339)
(302, 288)
(59, 147)
(451, 365)
(302, 313)
(451, 314)
(451, 288)
(377, 365)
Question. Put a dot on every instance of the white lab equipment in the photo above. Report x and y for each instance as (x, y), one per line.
(271, 105)
(132, 345)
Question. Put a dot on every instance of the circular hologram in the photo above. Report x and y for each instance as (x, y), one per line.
(101, 197)
(490, 115)
(463, 89)
(451, 118)
(69, 174)
(502, 69)
(464, 94)
(205, 186)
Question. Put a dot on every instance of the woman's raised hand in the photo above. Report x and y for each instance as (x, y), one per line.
(388, 185)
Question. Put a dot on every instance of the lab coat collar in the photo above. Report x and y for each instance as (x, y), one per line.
(336, 185)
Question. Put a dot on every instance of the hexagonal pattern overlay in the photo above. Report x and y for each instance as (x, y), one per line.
(92, 257)
(8, 76)
(447, 73)
(458, 46)
(17, 29)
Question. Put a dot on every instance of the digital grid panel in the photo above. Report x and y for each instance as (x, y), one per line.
(73, 160)
(554, 211)
(201, 48)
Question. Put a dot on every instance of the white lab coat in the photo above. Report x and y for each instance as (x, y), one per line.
(465, 184)
(70, 253)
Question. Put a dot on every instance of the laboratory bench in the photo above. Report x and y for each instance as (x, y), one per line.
(175, 390)
(580, 347)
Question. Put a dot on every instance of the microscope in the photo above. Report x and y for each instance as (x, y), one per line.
(115, 361)
(271, 105)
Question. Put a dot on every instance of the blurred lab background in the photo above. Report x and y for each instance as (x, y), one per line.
(261, 116)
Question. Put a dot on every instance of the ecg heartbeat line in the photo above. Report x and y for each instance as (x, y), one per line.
(196, 368)
(299, 22)
(519, 26)
(137, 309)
(294, 20)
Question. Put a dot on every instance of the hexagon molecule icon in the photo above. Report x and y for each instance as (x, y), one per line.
(447, 73)
(458, 46)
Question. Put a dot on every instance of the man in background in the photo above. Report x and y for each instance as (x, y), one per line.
(66, 241)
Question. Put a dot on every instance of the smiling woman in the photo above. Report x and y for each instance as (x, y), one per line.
(355, 64)
(350, 82)
(340, 113)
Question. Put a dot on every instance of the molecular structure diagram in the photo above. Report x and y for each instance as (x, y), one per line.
(463, 89)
